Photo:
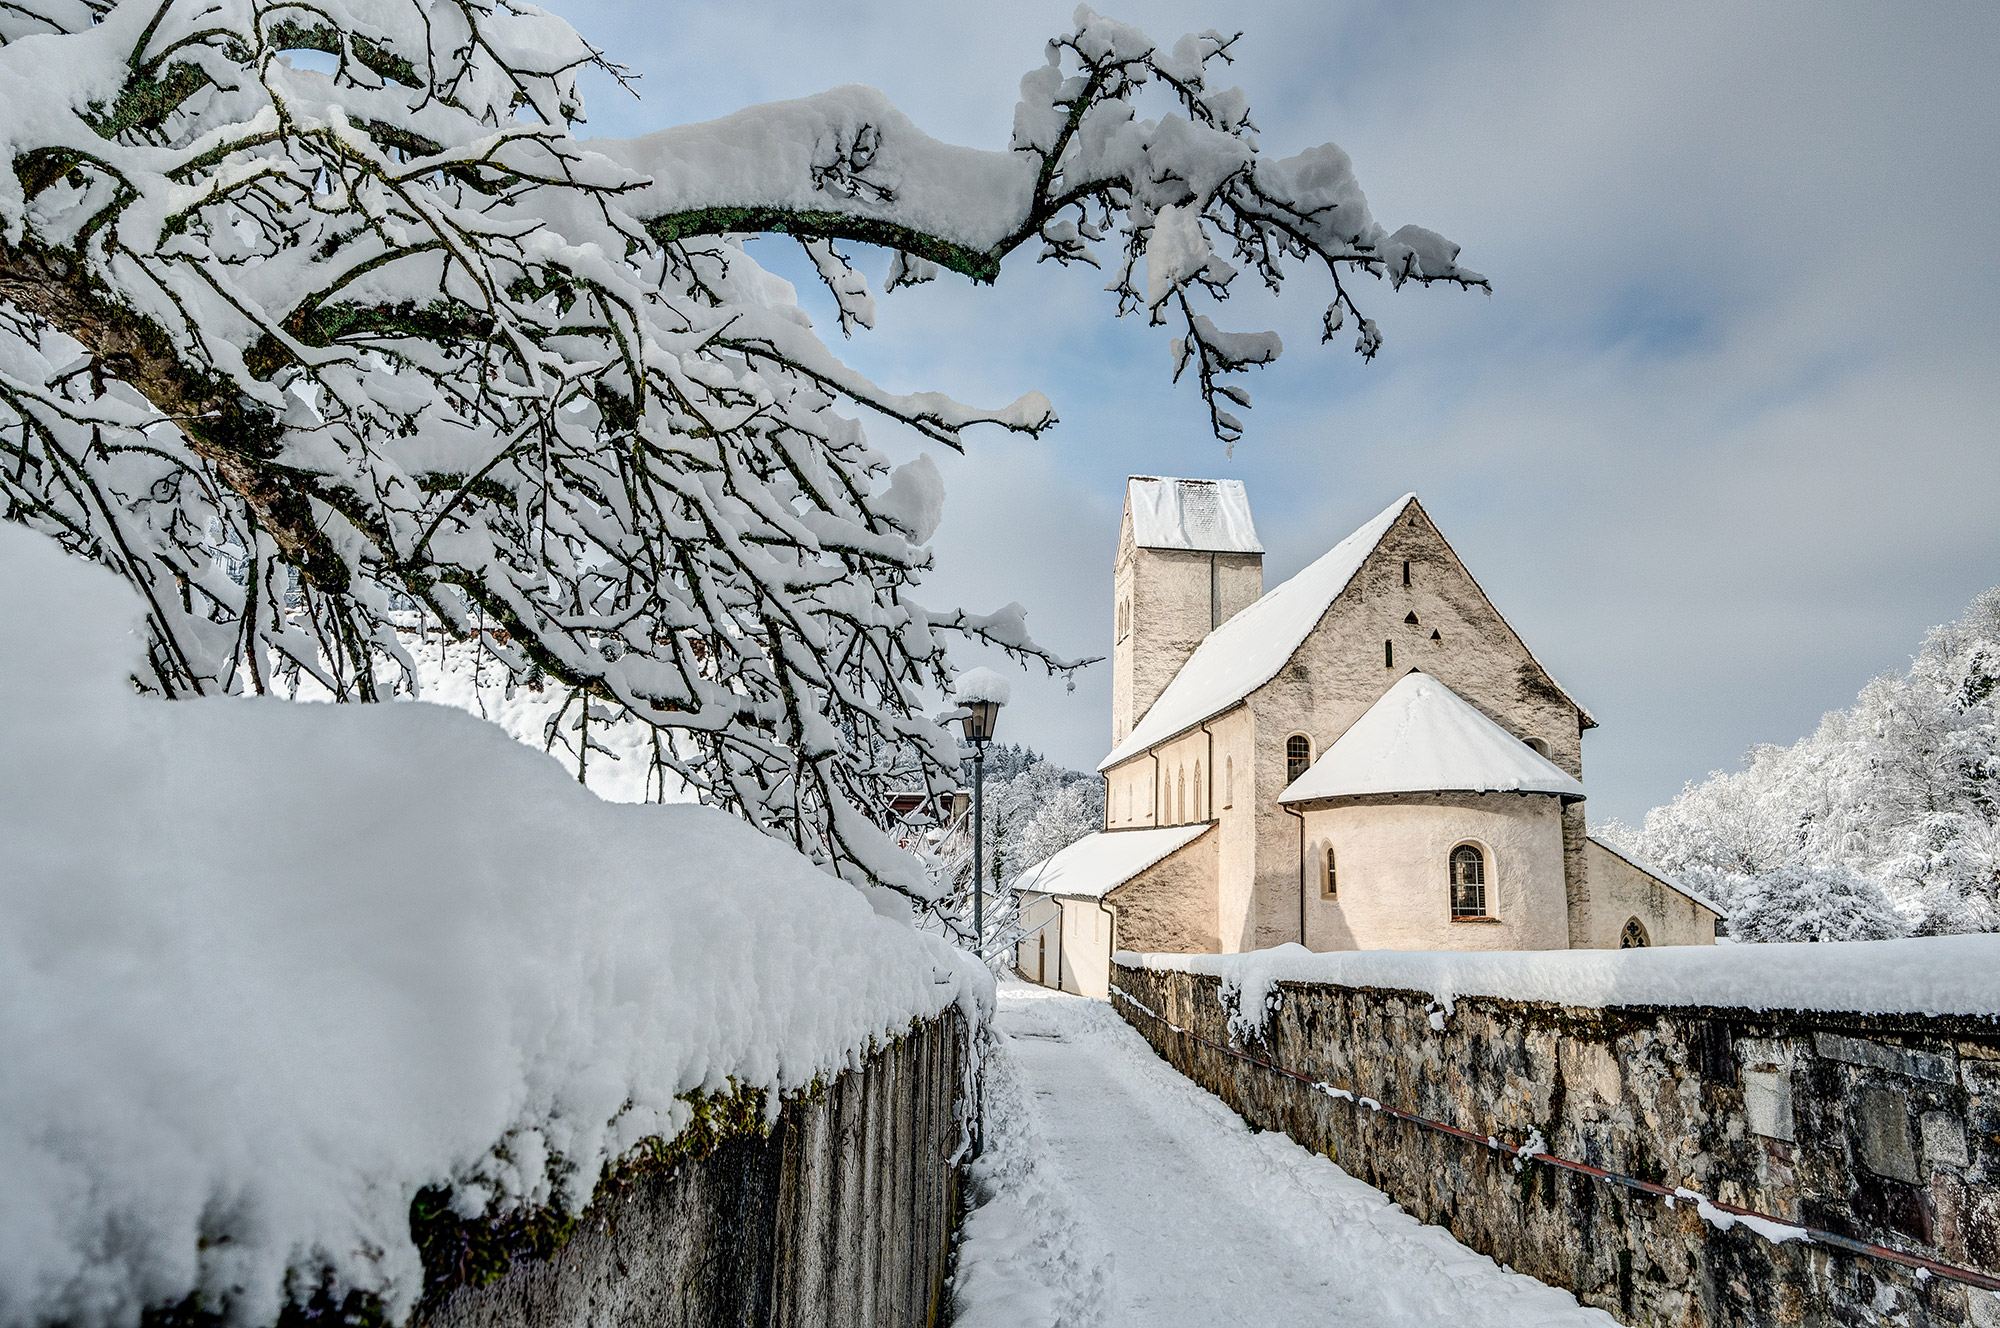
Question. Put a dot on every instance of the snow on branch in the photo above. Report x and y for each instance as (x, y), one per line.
(305, 354)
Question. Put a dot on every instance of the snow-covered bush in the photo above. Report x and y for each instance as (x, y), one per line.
(396, 334)
(269, 970)
(1902, 789)
(1801, 903)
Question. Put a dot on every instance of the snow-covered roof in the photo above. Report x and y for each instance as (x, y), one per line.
(1653, 870)
(1422, 737)
(1095, 865)
(1246, 652)
(1210, 516)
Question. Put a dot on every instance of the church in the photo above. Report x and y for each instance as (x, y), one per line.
(1366, 757)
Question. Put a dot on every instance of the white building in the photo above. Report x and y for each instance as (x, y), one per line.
(1367, 757)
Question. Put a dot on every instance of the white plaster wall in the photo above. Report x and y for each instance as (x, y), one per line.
(1038, 958)
(1086, 948)
(1339, 672)
(1394, 884)
(1619, 891)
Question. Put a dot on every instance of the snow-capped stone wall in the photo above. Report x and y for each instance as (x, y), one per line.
(848, 1202)
(1879, 1128)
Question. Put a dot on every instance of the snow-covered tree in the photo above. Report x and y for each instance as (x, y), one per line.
(376, 317)
(1034, 809)
(1800, 903)
(1901, 789)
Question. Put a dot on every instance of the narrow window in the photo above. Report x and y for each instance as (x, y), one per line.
(1406, 571)
(1412, 618)
(1128, 802)
(1229, 781)
(1634, 937)
(1200, 812)
(1298, 756)
(1468, 882)
(1388, 654)
(1330, 887)
(1180, 795)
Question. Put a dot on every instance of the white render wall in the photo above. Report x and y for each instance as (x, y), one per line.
(1086, 948)
(1619, 891)
(1392, 854)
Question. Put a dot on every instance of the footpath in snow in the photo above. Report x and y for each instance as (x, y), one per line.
(1115, 1192)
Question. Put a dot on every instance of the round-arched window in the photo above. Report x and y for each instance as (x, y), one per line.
(1468, 882)
(1634, 936)
(1298, 756)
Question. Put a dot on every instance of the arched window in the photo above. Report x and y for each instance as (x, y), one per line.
(1128, 802)
(1541, 748)
(1229, 781)
(1200, 812)
(1388, 654)
(1180, 795)
(1329, 886)
(1468, 882)
(1634, 937)
(1298, 756)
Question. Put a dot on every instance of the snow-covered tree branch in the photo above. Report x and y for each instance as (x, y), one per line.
(391, 329)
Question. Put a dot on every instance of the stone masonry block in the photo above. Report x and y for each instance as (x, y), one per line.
(1767, 1101)
(1881, 1056)
(1944, 1139)
(1882, 1132)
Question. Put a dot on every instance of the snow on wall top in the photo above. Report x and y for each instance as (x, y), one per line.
(1931, 975)
(1097, 864)
(1246, 652)
(1659, 874)
(1209, 516)
(1422, 737)
(271, 968)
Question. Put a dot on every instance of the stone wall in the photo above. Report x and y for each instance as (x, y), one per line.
(1881, 1129)
(841, 1215)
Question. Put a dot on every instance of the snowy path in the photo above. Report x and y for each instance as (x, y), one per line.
(1115, 1192)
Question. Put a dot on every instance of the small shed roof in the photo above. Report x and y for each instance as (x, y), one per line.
(1422, 737)
(1210, 516)
(1095, 865)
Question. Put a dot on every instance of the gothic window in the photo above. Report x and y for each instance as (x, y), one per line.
(1468, 882)
(1634, 937)
(1200, 812)
(1330, 885)
(1229, 781)
(1298, 756)
(1388, 654)
(1180, 796)
(1128, 802)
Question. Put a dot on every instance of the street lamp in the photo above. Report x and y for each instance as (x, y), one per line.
(980, 694)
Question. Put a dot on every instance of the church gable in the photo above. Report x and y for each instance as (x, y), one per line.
(1413, 605)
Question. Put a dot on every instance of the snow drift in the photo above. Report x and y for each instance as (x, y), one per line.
(268, 969)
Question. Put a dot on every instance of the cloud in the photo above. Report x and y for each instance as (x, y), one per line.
(1720, 443)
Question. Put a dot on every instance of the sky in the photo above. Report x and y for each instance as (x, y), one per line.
(1720, 444)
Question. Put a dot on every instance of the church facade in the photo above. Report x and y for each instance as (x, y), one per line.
(1366, 757)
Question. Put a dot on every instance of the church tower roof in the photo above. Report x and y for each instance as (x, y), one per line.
(1422, 737)
(1206, 516)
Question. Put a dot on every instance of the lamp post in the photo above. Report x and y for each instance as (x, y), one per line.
(980, 718)
(980, 694)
